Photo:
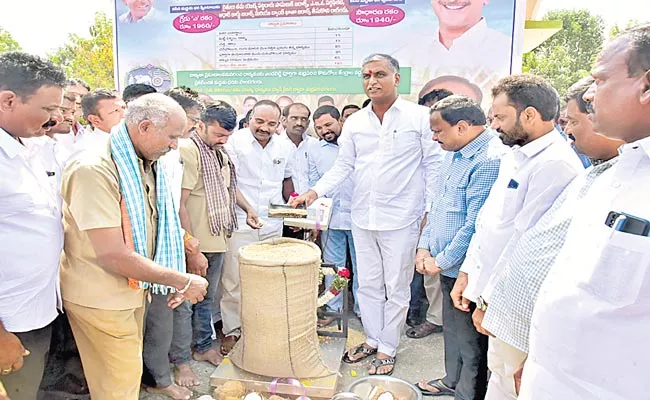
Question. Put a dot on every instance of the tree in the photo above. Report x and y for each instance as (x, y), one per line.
(615, 30)
(90, 59)
(569, 54)
(7, 42)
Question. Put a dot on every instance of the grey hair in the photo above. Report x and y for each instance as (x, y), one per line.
(392, 62)
(154, 107)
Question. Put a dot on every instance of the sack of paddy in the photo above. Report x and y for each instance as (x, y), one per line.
(279, 289)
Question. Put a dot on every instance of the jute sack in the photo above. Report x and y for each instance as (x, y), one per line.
(279, 289)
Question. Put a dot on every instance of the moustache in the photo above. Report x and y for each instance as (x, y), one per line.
(49, 124)
(589, 107)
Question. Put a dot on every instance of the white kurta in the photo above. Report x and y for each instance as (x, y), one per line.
(395, 165)
(589, 329)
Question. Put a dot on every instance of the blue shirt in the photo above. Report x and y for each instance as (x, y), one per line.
(464, 183)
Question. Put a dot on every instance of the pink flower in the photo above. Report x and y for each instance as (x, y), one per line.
(344, 273)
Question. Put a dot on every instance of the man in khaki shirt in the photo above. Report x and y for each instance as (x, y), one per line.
(203, 159)
(106, 314)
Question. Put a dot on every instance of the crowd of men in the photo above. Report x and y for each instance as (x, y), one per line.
(532, 264)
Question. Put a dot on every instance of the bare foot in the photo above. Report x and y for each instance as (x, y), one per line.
(184, 376)
(212, 356)
(173, 391)
(325, 322)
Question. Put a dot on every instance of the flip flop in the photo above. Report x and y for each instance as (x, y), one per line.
(379, 362)
(360, 349)
(443, 390)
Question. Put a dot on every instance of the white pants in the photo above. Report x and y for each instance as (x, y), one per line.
(230, 283)
(434, 296)
(503, 361)
(385, 262)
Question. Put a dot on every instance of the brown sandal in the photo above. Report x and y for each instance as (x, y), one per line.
(423, 330)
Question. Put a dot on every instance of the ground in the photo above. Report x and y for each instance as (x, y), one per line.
(416, 359)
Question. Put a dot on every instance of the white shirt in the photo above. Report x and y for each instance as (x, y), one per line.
(260, 173)
(589, 332)
(31, 239)
(480, 55)
(300, 174)
(173, 166)
(392, 163)
(91, 139)
(53, 156)
(69, 139)
(127, 18)
(321, 156)
(530, 179)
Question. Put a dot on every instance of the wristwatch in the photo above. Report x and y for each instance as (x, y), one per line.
(481, 304)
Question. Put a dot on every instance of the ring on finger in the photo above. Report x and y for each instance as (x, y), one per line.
(6, 371)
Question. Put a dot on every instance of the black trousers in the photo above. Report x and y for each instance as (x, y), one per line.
(23, 384)
(465, 349)
(419, 304)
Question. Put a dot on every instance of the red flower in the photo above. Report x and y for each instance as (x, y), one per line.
(344, 273)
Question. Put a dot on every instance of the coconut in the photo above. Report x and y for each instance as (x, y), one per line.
(254, 396)
(231, 390)
(386, 396)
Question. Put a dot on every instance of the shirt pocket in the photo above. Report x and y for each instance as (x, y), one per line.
(401, 143)
(278, 165)
(455, 197)
(619, 270)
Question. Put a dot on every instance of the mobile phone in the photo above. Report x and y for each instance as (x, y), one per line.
(627, 223)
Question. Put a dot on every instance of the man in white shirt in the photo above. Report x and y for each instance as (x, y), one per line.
(263, 162)
(589, 325)
(295, 120)
(531, 177)
(387, 148)
(77, 88)
(103, 109)
(337, 240)
(511, 305)
(51, 150)
(31, 231)
(139, 11)
(463, 45)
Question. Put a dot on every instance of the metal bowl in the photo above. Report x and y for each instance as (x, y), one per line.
(398, 387)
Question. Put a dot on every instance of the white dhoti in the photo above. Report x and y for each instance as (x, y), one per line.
(230, 283)
(385, 263)
(503, 361)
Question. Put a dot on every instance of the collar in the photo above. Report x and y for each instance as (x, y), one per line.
(252, 139)
(398, 105)
(305, 137)
(538, 145)
(476, 145)
(97, 130)
(643, 143)
(471, 36)
(10, 145)
(129, 18)
(325, 143)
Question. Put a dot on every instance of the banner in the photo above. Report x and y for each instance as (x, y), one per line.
(306, 49)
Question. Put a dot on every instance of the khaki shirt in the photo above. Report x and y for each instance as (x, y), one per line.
(91, 200)
(197, 205)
